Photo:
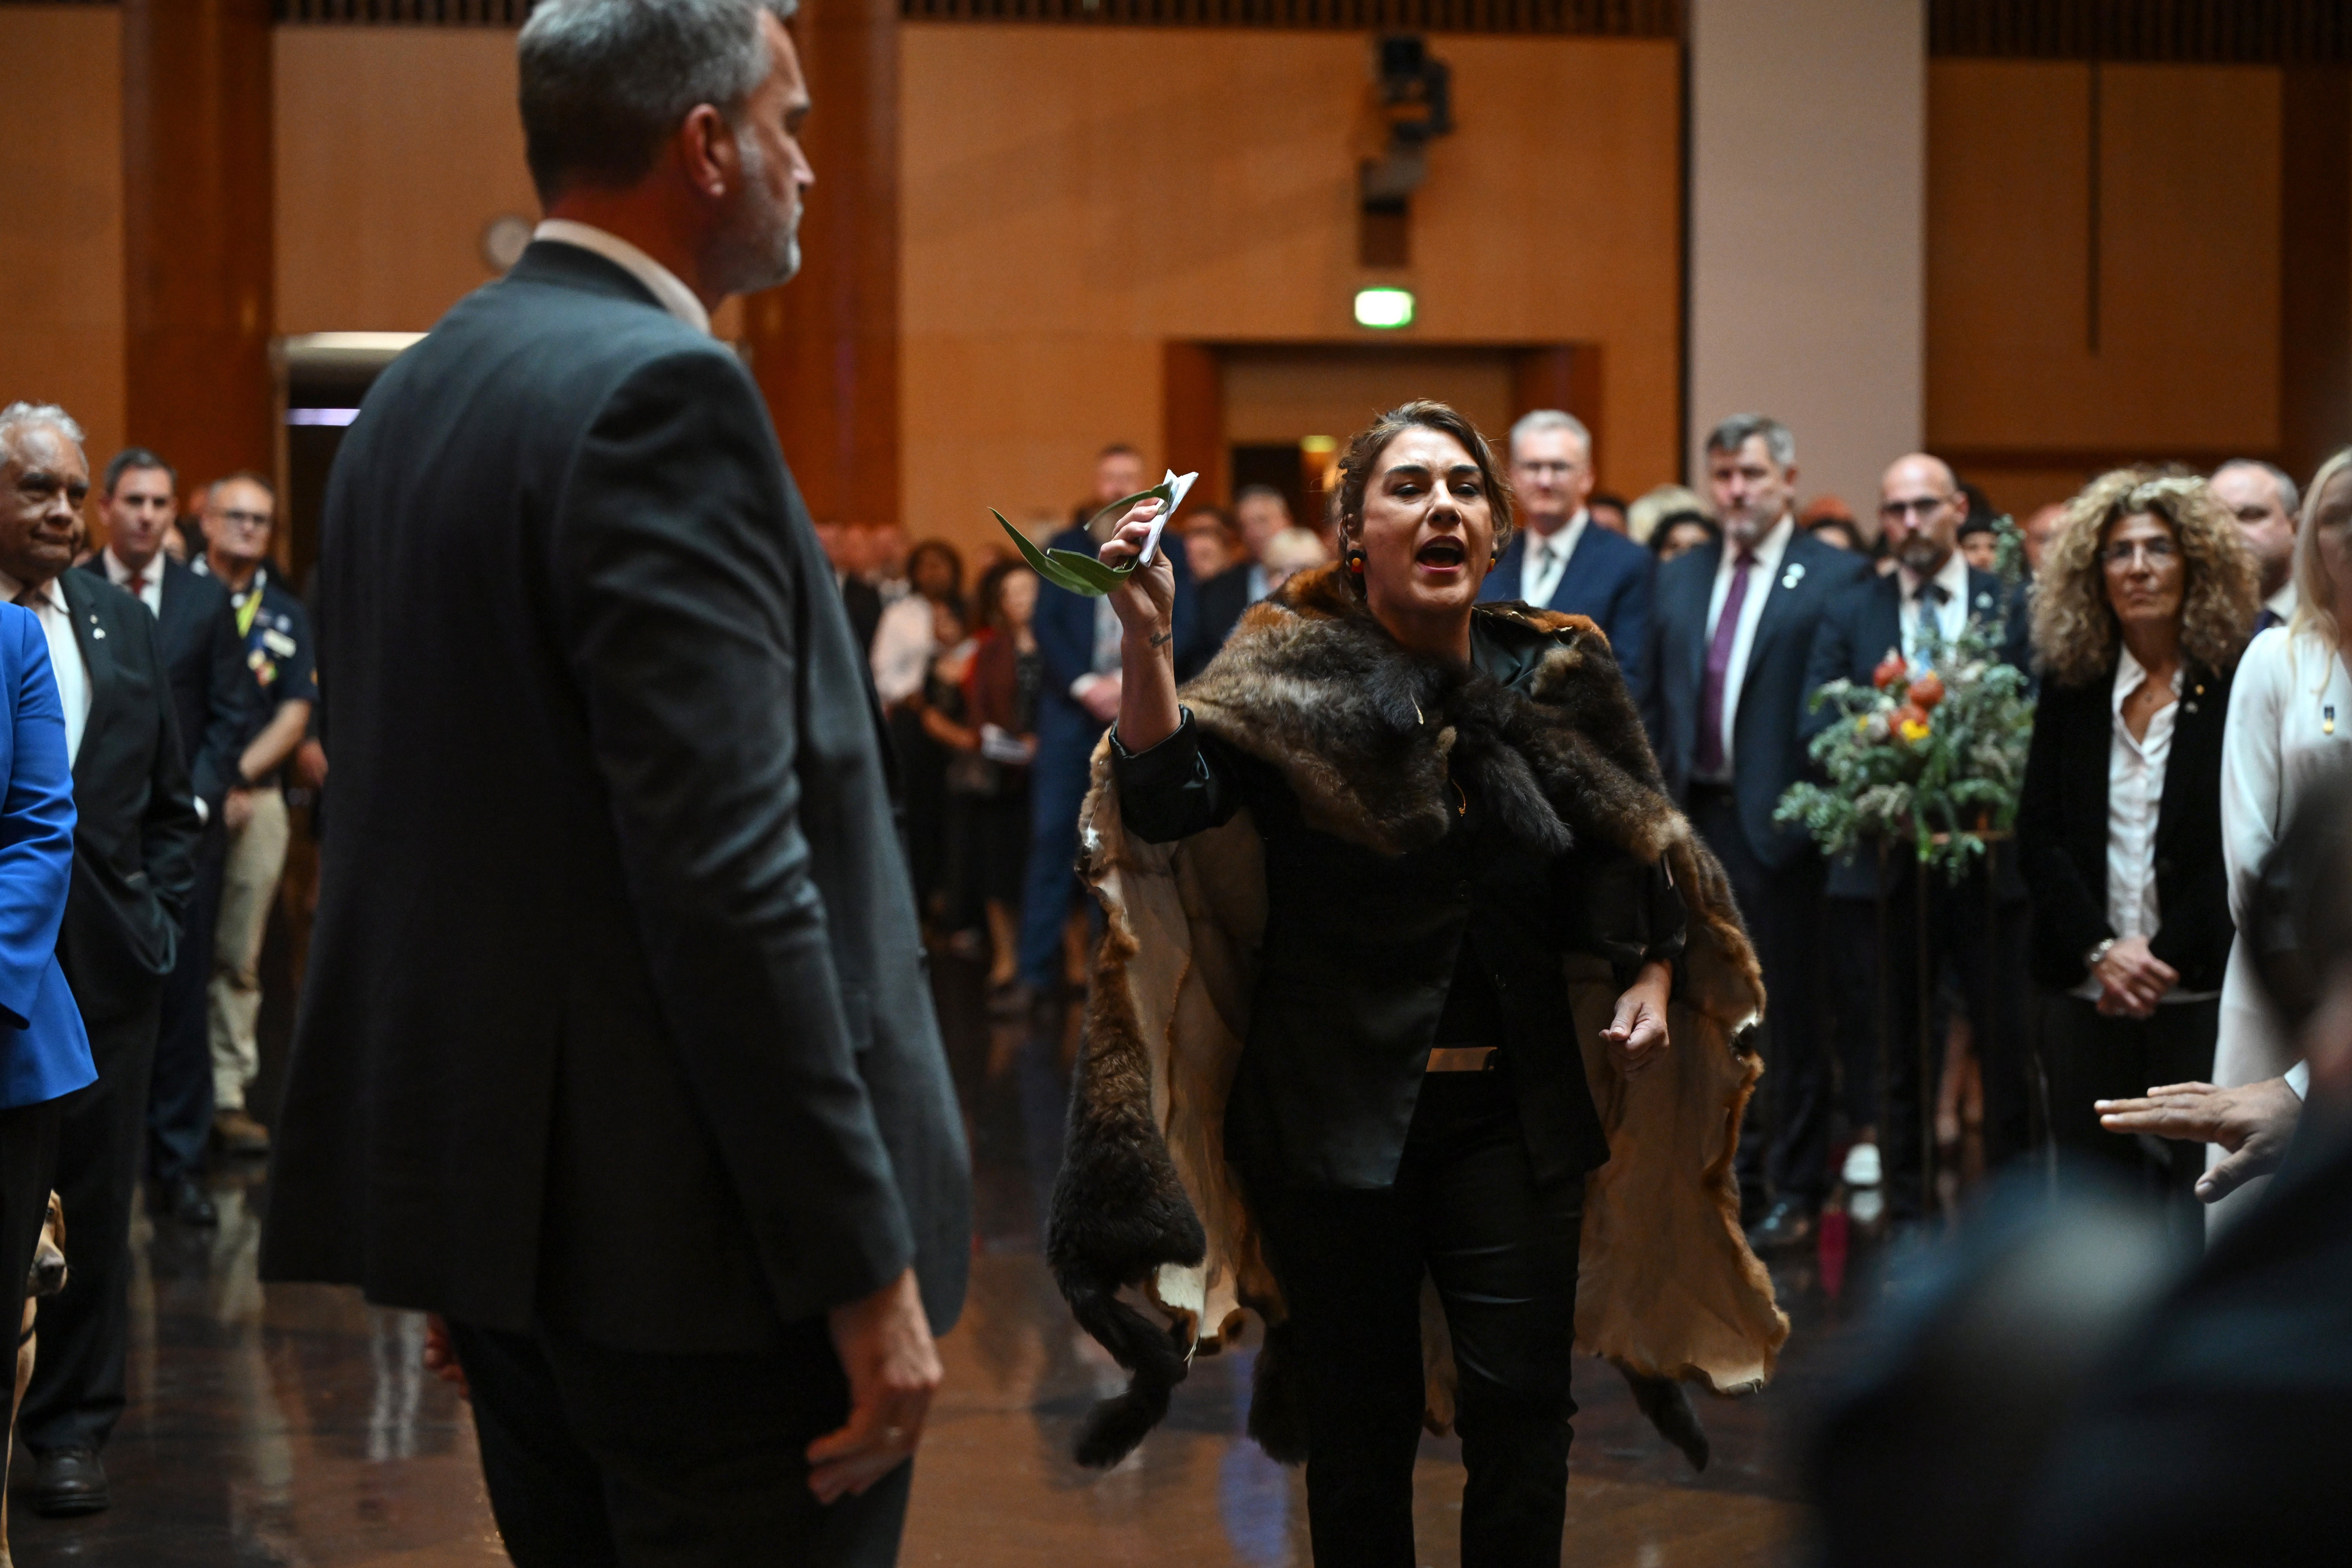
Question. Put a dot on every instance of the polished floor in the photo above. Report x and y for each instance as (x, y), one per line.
(294, 1426)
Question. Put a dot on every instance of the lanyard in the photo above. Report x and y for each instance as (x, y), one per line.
(248, 610)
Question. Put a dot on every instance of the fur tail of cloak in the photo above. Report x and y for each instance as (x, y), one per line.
(1151, 1241)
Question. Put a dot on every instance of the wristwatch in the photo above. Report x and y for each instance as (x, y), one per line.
(2091, 959)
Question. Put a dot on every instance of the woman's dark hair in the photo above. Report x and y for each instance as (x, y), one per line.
(988, 597)
(1840, 526)
(1364, 450)
(946, 552)
(1664, 531)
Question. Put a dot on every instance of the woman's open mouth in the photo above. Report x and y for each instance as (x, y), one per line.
(1442, 555)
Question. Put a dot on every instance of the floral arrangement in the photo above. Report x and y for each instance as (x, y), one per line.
(1931, 751)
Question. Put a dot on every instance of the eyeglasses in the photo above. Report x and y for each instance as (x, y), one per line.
(2160, 552)
(1917, 506)
(243, 519)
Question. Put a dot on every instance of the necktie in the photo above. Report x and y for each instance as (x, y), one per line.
(138, 584)
(1928, 626)
(1709, 759)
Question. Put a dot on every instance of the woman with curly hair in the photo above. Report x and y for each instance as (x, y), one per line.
(2144, 598)
(1400, 924)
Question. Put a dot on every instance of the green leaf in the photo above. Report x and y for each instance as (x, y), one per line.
(1067, 569)
(1164, 493)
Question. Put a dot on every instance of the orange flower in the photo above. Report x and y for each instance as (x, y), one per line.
(1890, 670)
(1927, 691)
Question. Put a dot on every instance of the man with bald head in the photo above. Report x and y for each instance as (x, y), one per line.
(1927, 600)
(2263, 498)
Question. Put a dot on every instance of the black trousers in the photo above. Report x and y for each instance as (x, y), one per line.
(1466, 1213)
(1784, 1141)
(77, 1393)
(595, 1456)
(28, 1157)
(180, 1098)
(1987, 945)
(2093, 1058)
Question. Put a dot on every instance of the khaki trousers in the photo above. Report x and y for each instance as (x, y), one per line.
(257, 861)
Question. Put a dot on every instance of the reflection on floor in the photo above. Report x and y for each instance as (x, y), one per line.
(295, 1426)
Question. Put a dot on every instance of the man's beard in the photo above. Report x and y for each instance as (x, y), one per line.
(761, 246)
(1922, 555)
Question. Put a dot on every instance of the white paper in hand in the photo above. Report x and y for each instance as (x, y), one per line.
(1179, 487)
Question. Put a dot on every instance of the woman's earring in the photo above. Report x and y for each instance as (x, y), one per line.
(1356, 560)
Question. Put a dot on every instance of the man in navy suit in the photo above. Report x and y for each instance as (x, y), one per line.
(2263, 498)
(1562, 559)
(1932, 595)
(1731, 635)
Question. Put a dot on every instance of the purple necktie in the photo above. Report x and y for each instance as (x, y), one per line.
(1709, 760)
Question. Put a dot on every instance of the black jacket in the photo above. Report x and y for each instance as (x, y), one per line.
(2061, 829)
(1371, 961)
(135, 827)
(616, 1018)
(1860, 626)
(1222, 599)
(216, 697)
(1768, 748)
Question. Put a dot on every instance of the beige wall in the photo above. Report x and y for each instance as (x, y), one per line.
(1075, 198)
(1808, 155)
(61, 336)
(2186, 360)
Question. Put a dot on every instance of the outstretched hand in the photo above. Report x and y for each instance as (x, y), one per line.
(1637, 1037)
(2254, 1122)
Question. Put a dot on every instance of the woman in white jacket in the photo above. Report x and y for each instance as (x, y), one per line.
(2290, 720)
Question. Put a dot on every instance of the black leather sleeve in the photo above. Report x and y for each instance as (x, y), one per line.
(1628, 913)
(683, 619)
(170, 827)
(1180, 787)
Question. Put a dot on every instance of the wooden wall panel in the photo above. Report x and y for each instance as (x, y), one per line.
(61, 245)
(2315, 267)
(197, 222)
(1077, 198)
(2187, 357)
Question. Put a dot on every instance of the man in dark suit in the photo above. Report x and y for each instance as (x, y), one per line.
(2262, 497)
(1562, 560)
(616, 1051)
(135, 834)
(1260, 512)
(1930, 598)
(860, 598)
(1731, 633)
(214, 698)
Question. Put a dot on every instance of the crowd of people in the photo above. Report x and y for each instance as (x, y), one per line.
(183, 671)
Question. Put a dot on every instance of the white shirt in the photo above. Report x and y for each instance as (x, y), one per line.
(2134, 803)
(65, 656)
(1547, 559)
(2290, 723)
(674, 296)
(1769, 550)
(2282, 603)
(904, 641)
(1951, 615)
(151, 578)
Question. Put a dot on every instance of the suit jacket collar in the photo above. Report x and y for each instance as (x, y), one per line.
(87, 600)
(570, 266)
(665, 285)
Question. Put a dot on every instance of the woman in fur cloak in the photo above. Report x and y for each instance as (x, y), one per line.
(1399, 929)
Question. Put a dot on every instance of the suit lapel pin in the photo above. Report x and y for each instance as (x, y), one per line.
(1794, 575)
(2328, 719)
(1984, 601)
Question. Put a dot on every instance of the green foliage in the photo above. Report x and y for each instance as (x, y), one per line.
(1904, 761)
(1079, 573)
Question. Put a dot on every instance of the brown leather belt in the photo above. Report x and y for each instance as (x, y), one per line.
(1460, 1057)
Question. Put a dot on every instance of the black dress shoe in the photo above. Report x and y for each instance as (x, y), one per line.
(185, 1201)
(70, 1482)
(1787, 1226)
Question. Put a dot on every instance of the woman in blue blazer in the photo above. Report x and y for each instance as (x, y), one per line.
(44, 1053)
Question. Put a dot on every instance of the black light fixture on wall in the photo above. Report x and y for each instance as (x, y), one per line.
(1414, 91)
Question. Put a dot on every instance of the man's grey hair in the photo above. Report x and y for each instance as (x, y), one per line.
(1545, 419)
(2290, 498)
(604, 82)
(1741, 428)
(19, 417)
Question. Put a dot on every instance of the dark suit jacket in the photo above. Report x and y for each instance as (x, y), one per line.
(1860, 626)
(1222, 600)
(1767, 747)
(214, 695)
(1608, 579)
(863, 600)
(135, 826)
(2062, 830)
(616, 1018)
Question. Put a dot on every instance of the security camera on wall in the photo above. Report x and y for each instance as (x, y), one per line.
(1413, 93)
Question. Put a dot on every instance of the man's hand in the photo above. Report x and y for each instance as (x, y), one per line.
(2255, 1123)
(884, 1345)
(2132, 980)
(441, 1357)
(1637, 1035)
(310, 765)
(1146, 602)
(236, 809)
